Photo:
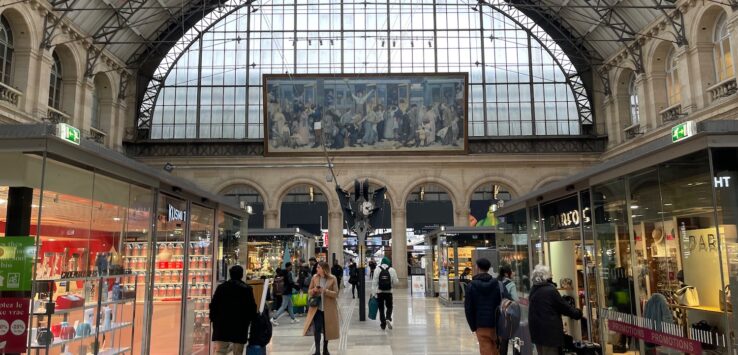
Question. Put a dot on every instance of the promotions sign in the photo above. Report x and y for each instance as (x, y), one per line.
(14, 314)
(16, 263)
(684, 345)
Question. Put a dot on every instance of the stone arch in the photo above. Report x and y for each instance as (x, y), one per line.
(391, 192)
(280, 194)
(25, 40)
(547, 180)
(247, 182)
(512, 189)
(657, 59)
(704, 21)
(621, 90)
(453, 194)
(71, 71)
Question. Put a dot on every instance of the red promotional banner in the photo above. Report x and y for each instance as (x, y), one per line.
(13, 324)
(685, 345)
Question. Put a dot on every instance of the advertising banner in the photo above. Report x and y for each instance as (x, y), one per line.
(16, 263)
(14, 314)
(418, 285)
(685, 345)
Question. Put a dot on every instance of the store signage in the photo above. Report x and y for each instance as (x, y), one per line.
(722, 181)
(685, 345)
(14, 314)
(418, 284)
(68, 133)
(175, 214)
(16, 263)
(570, 219)
(683, 131)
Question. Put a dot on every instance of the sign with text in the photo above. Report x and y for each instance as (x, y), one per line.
(418, 284)
(683, 131)
(14, 324)
(685, 345)
(16, 263)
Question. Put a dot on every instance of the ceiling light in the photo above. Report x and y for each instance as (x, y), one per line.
(117, 219)
(634, 207)
(668, 204)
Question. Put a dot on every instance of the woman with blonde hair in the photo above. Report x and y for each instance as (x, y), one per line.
(322, 317)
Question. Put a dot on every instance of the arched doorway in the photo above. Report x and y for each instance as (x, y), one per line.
(305, 206)
(245, 193)
(428, 206)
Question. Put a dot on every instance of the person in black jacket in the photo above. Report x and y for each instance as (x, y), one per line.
(232, 310)
(337, 271)
(353, 278)
(482, 299)
(544, 315)
(289, 286)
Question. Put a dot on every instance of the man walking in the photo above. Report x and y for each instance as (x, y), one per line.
(482, 299)
(313, 266)
(232, 311)
(384, 279)
(287, 288)
(337, 271)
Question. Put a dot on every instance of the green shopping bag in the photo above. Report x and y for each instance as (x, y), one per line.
(373, 308)
(299, 299)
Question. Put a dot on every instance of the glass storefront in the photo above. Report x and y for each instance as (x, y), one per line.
(117, 267)
(661, 236)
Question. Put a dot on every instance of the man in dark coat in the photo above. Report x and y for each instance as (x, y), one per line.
(544, 315)
(232, 310)
(337, 271)
(482, 299)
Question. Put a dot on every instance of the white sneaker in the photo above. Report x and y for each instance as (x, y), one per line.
(389, 324)
(295, 321)
(274, 322)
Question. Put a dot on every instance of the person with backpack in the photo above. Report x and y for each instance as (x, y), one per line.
(510, 293)
(232, 311)
(353, 278)
(283, 286)
(483, 297)
(545, 311)
(384, 279)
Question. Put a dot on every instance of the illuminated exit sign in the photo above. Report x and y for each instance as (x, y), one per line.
(683, 131)
(68, 133)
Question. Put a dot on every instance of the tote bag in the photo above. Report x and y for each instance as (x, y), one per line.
(300, 299)
(688, 296)
(373, 308)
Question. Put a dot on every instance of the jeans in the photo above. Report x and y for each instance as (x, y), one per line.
(385, 300)
(224, 348)
(319, 329)
(286, 305)
(486, 338)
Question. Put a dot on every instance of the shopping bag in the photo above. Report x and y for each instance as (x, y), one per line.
(299, 299)
(373, 308)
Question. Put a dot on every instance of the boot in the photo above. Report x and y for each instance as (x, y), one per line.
(325, 348)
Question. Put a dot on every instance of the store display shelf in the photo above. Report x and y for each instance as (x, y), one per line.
(136, 256)
(60, 342)
(115, 351)
(173, 242)
(86, 306)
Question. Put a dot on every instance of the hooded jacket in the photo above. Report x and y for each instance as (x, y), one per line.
(483, 296)
(386, 264)
(544, 315)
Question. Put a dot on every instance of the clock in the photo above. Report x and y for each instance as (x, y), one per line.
(366, 208)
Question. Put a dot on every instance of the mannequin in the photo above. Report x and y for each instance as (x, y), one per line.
(657, 246)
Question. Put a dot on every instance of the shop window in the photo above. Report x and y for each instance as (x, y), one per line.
(635, 115)
(673, 86)
(512, 243)
(6, 51)
(238, 194)
(722, 51)
(55, 83)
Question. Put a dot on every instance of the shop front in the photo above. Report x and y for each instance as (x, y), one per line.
(652, 230)
(121, 257)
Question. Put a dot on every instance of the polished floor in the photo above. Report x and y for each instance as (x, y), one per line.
(421, 326)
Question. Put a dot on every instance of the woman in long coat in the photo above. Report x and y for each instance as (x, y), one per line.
(323, 319)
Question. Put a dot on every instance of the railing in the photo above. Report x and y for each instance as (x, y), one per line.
(722, 89)
(671, 113)
(56, 116)
(8, 94)
(96, 135)
(633, 131)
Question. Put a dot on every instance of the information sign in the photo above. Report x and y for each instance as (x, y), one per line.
(14, 324)
(683, 131)
(16, 263)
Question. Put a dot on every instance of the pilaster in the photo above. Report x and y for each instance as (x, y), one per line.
(335, 236)
(399, 245)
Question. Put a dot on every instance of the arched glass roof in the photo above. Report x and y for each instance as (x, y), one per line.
(209, 84)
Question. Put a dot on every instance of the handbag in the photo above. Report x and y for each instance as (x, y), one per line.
(688, 296)
(373, 308)
(300, 299)
(314, 301)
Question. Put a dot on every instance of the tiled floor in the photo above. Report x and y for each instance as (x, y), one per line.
(421, 326)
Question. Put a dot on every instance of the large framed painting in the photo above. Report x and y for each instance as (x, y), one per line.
(368, 114)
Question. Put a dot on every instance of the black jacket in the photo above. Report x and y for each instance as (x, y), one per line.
(482, 299)
(544, 315)
(337, 271)
(232, 310)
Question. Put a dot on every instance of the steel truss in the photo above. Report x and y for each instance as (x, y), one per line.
(52, 20)
(119, 20)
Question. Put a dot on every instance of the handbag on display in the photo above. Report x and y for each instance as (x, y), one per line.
(687, 296)
(314, 301)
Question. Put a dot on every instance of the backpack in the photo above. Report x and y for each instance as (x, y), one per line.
(279, 286)
(385, 280)
(508, 314)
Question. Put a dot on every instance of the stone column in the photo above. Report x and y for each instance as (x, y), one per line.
(461, 216)
(656, 84)
(611, 121)
(40, 89)
(702, 63)
(310, 248)
(271, 219)
(644, 120)
(335, 236)
(685, 79)
(399, 245)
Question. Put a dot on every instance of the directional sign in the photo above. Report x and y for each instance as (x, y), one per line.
(683, 131)
(68, 133)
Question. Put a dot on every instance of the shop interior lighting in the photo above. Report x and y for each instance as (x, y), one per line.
(3, 201)
(634, 207)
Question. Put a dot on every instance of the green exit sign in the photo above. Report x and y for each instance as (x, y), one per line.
(683, 131)
(68, 133)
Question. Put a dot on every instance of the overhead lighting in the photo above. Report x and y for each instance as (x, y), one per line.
(3, 201)
(117, 219)
(635, 207)
(668, 204)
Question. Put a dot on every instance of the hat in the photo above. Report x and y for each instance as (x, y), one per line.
(386, 261)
